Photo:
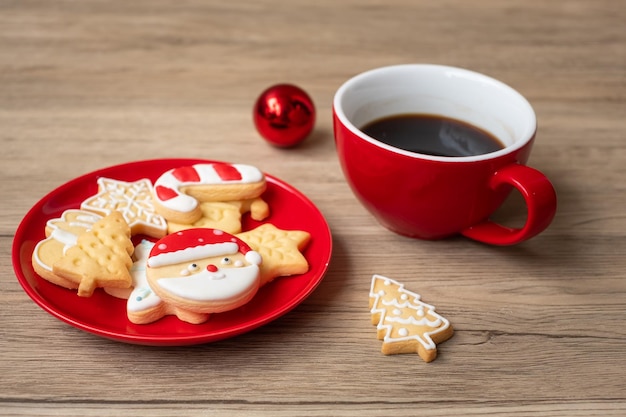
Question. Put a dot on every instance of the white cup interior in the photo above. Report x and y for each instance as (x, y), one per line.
(436, 90)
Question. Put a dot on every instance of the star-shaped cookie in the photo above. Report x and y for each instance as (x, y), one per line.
(281, 250)
(133, 200)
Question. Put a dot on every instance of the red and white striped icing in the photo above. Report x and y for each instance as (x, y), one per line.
(167, 187)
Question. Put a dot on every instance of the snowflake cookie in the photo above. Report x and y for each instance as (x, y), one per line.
(133, 200)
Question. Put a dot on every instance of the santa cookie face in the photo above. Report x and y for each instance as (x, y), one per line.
(203, 270)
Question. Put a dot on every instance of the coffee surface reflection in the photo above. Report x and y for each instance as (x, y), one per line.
(432, 135)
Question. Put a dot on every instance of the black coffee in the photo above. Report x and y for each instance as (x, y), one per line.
(432, 135)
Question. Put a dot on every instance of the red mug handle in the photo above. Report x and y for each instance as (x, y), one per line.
(540, 199)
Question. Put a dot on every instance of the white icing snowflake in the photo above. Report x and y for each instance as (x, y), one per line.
(133, 200)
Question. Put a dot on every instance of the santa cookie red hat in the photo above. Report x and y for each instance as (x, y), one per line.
(199, 243)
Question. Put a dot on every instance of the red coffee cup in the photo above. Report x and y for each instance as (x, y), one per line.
(432, 197)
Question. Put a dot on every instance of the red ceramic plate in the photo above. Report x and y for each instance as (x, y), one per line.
(105, 315)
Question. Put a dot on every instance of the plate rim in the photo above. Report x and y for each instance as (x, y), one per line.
(164, 340)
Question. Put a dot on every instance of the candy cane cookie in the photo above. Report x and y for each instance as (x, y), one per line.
(178, 192)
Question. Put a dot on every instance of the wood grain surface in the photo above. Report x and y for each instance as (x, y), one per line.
(540, 327)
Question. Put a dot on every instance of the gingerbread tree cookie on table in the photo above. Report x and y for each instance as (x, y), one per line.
(404, 323)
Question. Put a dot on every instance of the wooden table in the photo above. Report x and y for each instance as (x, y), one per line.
(540, 327)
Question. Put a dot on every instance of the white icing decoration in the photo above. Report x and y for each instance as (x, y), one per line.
(38, 259)
(413, 321)
(142, 297)
(87, 218)
(411, 301)
(395, 303)
(68, 239)
(208, 176)
(192, 253)
(84, 225)
(254, 257)
(225, 285)
(132, 199)
(65, 237)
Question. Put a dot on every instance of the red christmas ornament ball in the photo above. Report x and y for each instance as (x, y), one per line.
(284, 115)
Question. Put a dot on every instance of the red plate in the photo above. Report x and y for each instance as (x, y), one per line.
(105, 315)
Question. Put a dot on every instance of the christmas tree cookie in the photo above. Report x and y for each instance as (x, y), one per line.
(100, 258)
(61, 234)
(403, 322)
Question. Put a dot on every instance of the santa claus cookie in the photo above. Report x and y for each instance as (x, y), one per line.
(197, 272)
(178, 192)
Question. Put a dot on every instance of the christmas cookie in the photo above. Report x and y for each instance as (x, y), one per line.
(133, 200)
(225, 216)
(197, 272)
(403, 322)
(137, 271)
(61, 234)
(143, 305)
(100, 258)
(281, 250)
(178, 192)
